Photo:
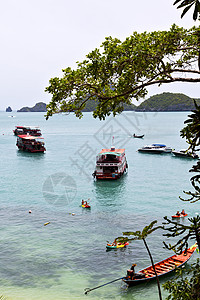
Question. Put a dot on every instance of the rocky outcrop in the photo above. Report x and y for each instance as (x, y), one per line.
(8, 109)
(39, 107)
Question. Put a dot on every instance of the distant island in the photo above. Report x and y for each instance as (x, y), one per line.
(8, 109)
(39, 107)
(161, 102)
(168, 102)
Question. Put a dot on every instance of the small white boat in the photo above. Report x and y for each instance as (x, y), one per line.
(185, 153)
(156, 148)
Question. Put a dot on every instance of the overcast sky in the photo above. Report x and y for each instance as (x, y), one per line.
(39, 38)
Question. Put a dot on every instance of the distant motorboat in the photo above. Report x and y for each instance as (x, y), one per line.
(138, 136)
(156, 148)
(185, 153)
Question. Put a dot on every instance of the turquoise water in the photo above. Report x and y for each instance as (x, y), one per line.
(60, 260)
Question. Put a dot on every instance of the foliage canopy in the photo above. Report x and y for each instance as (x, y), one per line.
(185, 288)
(187, 4)
(120, 71)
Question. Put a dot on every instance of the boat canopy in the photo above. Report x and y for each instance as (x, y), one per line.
(27, 127)
(160, 145)
(111, 152)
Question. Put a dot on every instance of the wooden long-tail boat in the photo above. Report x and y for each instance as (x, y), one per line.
(138, 136)
(162, 268)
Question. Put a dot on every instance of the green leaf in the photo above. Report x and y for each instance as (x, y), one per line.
(186, 9)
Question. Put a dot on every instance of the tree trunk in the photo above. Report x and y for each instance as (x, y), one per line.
(151, 258)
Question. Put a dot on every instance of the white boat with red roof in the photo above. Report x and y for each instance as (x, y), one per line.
(110, 164)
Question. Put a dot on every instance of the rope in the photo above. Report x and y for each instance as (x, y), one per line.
(87, 290)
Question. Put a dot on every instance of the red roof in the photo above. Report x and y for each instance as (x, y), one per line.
(114, 151)
(27, 127)
(29, 137)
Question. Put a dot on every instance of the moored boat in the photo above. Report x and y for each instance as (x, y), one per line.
(30, 143)
(155, 148)
(32, 130)
(138, 136)
(185, 153)
(162, 268)
(110, 164)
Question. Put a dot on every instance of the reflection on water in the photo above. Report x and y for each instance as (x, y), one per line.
(110, 193)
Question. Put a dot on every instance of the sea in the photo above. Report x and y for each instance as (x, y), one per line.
(50, 247)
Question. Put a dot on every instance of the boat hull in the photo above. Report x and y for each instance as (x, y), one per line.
(112, 176)
(181, 216)
(86, 206)
(109, 246)
(32, 150)
(154, 151)
(162, 268)
(186, 155)
(138, 136)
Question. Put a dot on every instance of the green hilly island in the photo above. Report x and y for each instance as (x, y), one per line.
(39, 107)
(160, 102)
(168, 102)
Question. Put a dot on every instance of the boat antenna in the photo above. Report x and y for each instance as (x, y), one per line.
(113, 141)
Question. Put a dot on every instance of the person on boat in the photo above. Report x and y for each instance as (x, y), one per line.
(133, 267)
(131, 273)
(183, 212)
(83, 202)
(114, 243)
(178, 213)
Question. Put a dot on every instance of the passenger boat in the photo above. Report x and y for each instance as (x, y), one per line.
(185, 153)
(162, 268)
(118, 245)
(19, 130)
(156, 148)
(110, 164)
(30, 143)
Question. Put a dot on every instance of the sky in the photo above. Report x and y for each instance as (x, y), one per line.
(39, 38)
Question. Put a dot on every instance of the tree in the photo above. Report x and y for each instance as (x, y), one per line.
(191, 231)
(192, 134)
(185, 288)
(188, 4)
(142, 235)
(120, 71)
